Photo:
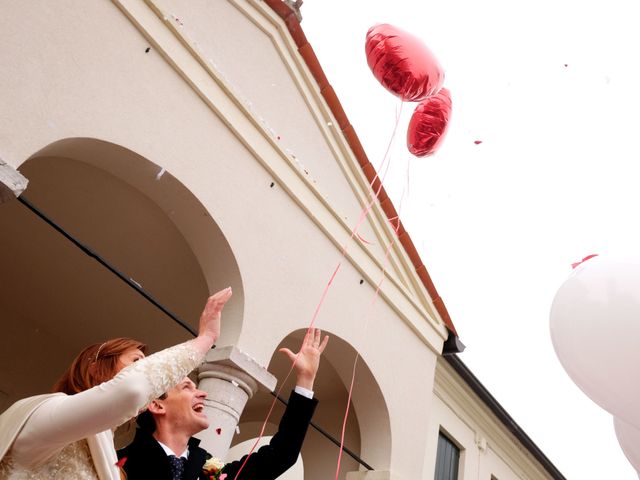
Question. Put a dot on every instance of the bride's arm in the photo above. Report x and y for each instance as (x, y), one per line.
(64, 419)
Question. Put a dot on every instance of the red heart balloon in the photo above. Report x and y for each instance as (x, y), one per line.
(402, 63)
(428, 124)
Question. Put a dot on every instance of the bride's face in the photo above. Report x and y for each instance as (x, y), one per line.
(128, 357)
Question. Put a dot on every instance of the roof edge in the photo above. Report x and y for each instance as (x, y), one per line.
(498, 410)
(290, 19)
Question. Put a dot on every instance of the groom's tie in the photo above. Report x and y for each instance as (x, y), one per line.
(177, 466)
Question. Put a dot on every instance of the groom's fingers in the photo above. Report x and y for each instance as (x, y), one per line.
(288, 353)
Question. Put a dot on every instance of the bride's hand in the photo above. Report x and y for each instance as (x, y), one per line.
(210, 318)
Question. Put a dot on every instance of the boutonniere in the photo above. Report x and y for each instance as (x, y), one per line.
(212, 468)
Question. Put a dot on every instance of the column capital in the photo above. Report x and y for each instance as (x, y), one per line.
(230, 377)
(232, 356)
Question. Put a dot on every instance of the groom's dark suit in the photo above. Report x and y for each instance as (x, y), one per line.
(147, 460)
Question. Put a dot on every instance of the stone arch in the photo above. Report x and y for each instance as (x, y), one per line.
(368, 432)
(138, 217)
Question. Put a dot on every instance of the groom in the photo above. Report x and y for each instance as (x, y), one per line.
(164, 447)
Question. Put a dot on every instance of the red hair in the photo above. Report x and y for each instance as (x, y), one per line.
(95, 364)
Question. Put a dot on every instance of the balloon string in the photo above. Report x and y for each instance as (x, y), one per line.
(379, 285)
(346, 415)
(386, 156)
(363, 215)
(375, 193)
(408, 179)
(282, 384)
(384, 164)
(364, 240)
(385, 159)
(376, 295)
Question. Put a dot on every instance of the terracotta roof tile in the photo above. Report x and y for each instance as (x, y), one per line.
(332, 99)
(354, 142)
(295, 30)
(314, 65)
(280, 8)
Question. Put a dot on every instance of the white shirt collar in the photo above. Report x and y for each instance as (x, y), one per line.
(168, 451)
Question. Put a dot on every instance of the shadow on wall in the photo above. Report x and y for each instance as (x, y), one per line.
(55, 299)
(367, 431)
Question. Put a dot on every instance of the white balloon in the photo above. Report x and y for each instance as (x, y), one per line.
(629, 439)
(595, 330)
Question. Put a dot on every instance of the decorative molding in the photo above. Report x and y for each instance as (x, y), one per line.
(216, 92)
(312, 84)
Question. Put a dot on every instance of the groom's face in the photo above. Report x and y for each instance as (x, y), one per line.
(184, 406)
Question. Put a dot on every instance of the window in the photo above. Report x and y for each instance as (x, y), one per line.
(447, 459)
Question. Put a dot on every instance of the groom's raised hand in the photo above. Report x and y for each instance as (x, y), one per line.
(307, 360)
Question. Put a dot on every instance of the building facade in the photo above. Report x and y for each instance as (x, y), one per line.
(195, 145)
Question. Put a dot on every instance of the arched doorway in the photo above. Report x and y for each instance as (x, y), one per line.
(55, 299)
(367, 433)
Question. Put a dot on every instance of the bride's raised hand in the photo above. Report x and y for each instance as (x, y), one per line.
(209, 326)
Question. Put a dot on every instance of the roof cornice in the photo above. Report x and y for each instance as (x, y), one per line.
(290, 18)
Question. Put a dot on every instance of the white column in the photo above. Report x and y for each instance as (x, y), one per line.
(12, 183)
(230, 377)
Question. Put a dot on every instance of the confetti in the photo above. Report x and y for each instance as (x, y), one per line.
(574, 265)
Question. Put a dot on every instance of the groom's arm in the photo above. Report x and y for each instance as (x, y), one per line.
(271, 460)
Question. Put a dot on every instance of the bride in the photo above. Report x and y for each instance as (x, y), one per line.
(69, 434)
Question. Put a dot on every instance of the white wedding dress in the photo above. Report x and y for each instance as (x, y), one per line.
(70, 437)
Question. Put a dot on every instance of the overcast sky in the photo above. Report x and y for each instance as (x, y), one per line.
(550, 88)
